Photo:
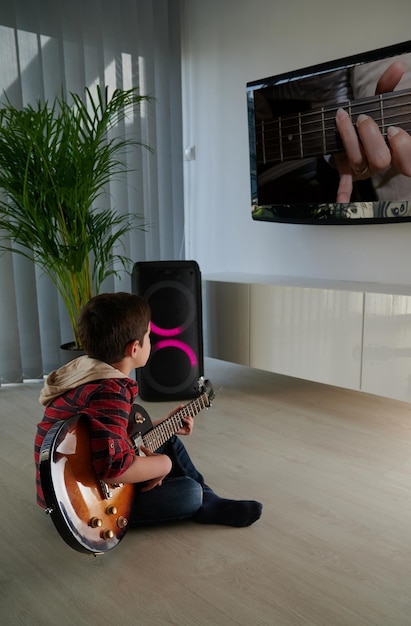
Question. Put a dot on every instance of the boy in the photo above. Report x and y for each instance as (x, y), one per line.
(114, 330)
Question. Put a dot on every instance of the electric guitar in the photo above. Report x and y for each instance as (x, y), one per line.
(91, 515)
(313, 133)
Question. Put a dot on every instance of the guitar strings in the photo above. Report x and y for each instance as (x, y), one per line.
(168, 427)
(314, 132)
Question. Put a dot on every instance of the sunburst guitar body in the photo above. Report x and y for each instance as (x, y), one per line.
(92, 516)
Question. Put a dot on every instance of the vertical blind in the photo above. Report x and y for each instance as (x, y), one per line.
(50, 47)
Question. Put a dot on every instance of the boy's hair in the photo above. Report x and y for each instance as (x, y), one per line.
(109, 322)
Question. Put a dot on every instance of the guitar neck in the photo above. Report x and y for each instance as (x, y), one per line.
(313, 133)
(161, 433)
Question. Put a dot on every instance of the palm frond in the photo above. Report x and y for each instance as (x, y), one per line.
(56, 161)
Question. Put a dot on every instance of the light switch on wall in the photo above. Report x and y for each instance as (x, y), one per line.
(189, 153)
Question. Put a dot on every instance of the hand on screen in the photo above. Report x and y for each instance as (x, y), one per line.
(366, 151)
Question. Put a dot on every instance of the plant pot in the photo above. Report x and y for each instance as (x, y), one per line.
(68, 352)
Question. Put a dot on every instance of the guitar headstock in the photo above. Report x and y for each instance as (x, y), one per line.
(206, 388)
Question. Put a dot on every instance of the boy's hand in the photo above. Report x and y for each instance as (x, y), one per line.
(188, 420)
(188, 426)
(155, 482)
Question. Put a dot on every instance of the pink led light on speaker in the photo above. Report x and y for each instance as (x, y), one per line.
(180, 345)
(166, 332)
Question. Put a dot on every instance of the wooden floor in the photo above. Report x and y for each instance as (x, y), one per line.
(333, 547)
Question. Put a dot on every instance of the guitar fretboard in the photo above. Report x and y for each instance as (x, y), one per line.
(313, 133)
(168, 427)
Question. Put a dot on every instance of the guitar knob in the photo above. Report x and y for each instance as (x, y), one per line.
(96, 522)
(111, 510)
(122, 522)
(108, 534)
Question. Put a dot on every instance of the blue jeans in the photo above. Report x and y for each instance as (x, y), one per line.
(179, 496)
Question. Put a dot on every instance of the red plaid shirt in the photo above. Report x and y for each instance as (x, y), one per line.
(107, 403)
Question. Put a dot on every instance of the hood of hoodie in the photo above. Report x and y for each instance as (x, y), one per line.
(75, 373)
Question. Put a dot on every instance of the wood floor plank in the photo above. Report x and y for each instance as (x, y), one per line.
(333, 547)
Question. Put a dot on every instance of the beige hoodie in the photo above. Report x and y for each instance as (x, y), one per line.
(75, 373)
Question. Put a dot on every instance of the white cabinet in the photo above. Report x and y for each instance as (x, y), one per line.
(347, 337)
(227, 321)
(387, 345)
(313, 334)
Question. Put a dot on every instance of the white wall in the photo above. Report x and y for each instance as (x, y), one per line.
(227, 43)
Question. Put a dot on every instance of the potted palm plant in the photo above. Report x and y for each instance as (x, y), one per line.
(56, 162)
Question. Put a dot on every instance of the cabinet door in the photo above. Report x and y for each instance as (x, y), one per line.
(309, 333)
(387, 346)
(227, 321)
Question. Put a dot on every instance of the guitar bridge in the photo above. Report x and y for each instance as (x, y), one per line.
(138, 441)
(105, 490)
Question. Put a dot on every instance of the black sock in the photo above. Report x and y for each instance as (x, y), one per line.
(216, 510)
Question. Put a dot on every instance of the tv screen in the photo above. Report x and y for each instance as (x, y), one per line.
(307, 167)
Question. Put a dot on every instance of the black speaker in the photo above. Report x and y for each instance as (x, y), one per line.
(173, 291)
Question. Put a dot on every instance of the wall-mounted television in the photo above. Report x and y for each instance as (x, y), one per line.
(297, 156)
